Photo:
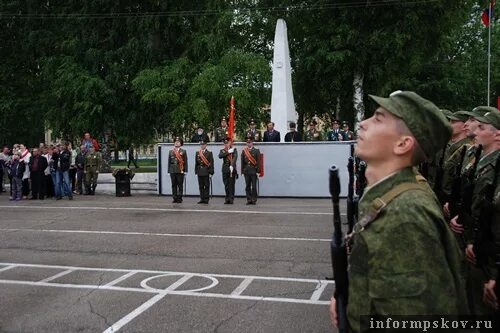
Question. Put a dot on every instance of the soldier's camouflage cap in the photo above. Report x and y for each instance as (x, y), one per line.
(492, 118)
(479, 111)
(426, 122)
(458, 116)
(447, 113)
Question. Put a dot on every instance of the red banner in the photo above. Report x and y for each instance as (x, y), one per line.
(231, 120)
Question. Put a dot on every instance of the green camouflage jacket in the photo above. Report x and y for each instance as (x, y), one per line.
(452, 160)
(485, 175)
(407, 261)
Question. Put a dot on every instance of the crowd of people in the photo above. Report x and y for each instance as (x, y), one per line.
(336, 133)
(50, 171)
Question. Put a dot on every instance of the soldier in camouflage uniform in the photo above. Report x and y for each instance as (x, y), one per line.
(452, 155)
(404, 260)
(91, 170)
(485, 233)
(466, 174)
(221, 132)
(433, 163)
(312, 134)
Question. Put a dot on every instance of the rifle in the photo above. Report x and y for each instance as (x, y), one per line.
(338, 254)
(352, 202)
(483, 243)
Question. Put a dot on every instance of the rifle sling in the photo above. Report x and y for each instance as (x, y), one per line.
(378, 205)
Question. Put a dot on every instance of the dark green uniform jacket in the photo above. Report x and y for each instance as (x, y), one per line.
(173, 162)
(407, 261)
(452, 160)
(485, 175)
(248, 168)
(201, 169)
(228, 159)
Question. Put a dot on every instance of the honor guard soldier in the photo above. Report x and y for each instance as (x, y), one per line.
(347, 135)
(229, 156)
(312, 134)
(250, 168)
(293, 135)
(204, 168)
(253, 131)
(403, 259)
(177, 168)
(91, 170)
(335, 134)
(222, 131)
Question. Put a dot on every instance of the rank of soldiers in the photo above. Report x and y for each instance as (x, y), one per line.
(204, 169)
(421, 246)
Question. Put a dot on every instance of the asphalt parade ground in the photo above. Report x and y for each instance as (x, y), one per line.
(143, 264)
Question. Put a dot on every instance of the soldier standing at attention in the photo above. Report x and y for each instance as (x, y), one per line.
(91, 170)
(222, 131)
(312, 134)
(177, 167)
(204, 168)
(404, 260)
(452, 155)
(347, 135)
(229, 157)
(250, 167)
(485, 229)
(335, 134)
(253, 131)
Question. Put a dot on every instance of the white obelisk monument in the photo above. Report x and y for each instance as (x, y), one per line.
(282, 103)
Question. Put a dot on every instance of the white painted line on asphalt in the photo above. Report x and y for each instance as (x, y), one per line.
(6, 268)
(120, 279)
(256, 277)
(176, 292)
(179, 282)
(204, 211)
(185, 277)
(129, 317)
(131, 233)
(53, 277)
(319, 290)
(77, 286)
(243, 285)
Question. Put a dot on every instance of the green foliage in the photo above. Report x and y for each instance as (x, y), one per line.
(106, 67)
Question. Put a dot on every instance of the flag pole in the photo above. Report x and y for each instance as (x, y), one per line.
(489, 49)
